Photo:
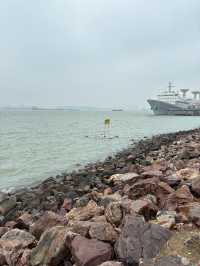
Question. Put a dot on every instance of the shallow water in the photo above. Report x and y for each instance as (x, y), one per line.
(37, 144)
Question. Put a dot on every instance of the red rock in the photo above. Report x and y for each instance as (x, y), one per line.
(24, 221)
(67, 204)
(16, 239)
(139, 239)
(11, 224)
(113, 213)
(107, 191)
(3, 230)
(178, 198)
(51, 249)
(25, 258)
(90, 252)
(103, 231)
(196, 185)
(143, 207)
(85, 213)
(190, 212)
(46, 221)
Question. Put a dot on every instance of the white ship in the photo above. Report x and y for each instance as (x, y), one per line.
(173, 102)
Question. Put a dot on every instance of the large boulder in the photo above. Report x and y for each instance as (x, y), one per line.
(85, 213)
(178, 198)
(51, 249)
(103, 231)
(17, 239)
(139, 239)
(46, 221)
(150, 186)
(7, 204)
(190, 212)
(90, 252)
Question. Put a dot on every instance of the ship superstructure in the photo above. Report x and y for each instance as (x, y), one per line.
(172, 102)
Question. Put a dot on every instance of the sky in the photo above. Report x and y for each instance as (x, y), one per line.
(103, 53)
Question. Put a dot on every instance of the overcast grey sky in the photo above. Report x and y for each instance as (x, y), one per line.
(105, 53)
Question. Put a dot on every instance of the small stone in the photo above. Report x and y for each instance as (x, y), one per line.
(103, 231)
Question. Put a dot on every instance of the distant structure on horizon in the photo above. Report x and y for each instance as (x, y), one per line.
(171, 102)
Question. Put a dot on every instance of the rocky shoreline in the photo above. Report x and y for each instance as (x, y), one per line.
(139, 207)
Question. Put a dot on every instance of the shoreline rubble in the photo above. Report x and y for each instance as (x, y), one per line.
(139, 207)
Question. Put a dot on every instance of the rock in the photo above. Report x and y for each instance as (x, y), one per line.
(11, 224)
(3, 230)
(152, 173)
(112, 263)
(51, 249)
(191, 212)
(150, 186)
(167, 219)
(103, 231)
(90, 252)
(85, 213)
(24, 221)
(167, 261)
(25, 258)
(107, 191)
(171, 180)
(16, 239)
(188, 173)
(196, 185)
(113, 213)
(46, 221)
(140, 240)
(7, 204)
(2, 257)
(67, 204)
(178, 198)
(106, 200)
(80, 227)
(124, 178)
(144, 207)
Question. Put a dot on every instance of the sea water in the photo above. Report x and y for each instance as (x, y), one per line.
(40, 143)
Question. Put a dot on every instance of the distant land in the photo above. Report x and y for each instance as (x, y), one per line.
(69, 108)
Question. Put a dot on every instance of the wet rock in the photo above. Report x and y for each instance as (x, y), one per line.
(24, 221)
(113, 213)
(140, 240)
(85, 213)
(178, 198)
(7, 204)
(90, 252)
(103, 231)
(46, 221)
(124, 178)
(16, 239)
(51, 249)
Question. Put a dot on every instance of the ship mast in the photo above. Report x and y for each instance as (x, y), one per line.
(170, 86)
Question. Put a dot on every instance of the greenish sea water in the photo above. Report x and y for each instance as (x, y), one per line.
(37, 144)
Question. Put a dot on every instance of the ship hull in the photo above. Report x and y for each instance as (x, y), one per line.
(163, 108)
